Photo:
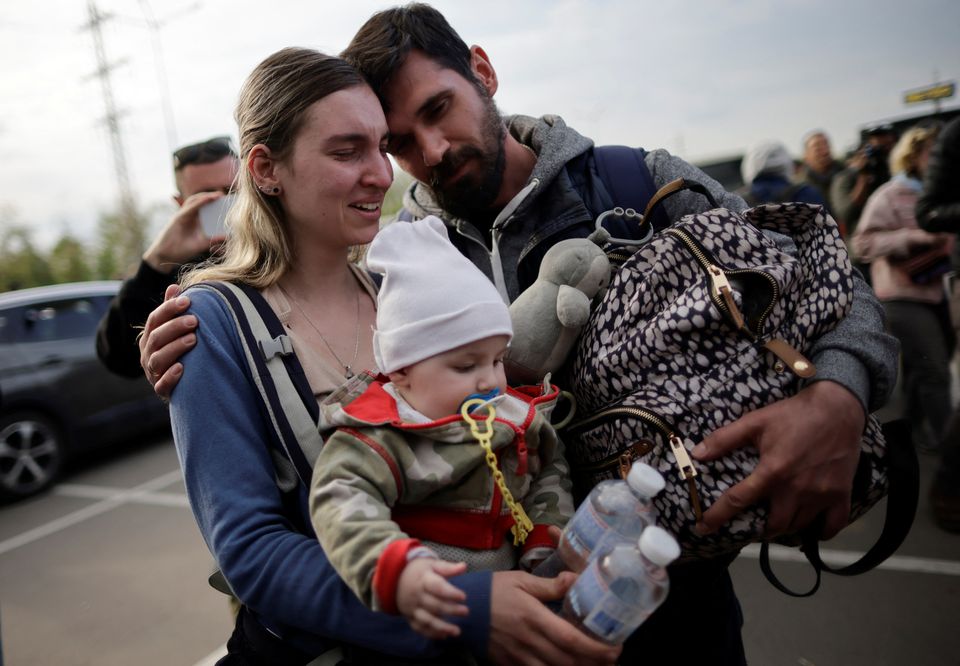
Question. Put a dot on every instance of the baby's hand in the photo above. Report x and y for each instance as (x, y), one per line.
(424, 596)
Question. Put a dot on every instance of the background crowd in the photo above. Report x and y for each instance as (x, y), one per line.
(897, 203)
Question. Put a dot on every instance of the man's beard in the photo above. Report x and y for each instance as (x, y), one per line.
(472, 196)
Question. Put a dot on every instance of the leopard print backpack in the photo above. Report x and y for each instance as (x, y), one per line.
(707, 321)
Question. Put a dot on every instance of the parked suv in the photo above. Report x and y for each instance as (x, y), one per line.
(56, 398)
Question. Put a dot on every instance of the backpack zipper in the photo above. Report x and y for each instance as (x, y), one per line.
(624, 460)
(618, 258)
(721, 293)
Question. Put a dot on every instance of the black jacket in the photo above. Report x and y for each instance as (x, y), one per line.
(118, 330)
(938, 208)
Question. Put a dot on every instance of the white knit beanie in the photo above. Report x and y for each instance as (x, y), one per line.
(769, 157)
(432, 298)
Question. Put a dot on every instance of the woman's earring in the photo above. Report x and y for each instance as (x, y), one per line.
(269, 190)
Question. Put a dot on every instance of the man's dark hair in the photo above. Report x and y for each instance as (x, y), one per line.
(382, 44)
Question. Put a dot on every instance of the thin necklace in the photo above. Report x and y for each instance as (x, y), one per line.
(347, 367)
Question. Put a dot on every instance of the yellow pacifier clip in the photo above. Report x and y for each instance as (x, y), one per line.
(522, 525)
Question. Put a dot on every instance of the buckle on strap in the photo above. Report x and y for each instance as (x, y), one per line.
(279, 346)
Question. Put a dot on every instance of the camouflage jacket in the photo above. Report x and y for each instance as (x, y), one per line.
(381, 484)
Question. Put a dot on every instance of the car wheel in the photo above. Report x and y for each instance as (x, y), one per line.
(31, 452)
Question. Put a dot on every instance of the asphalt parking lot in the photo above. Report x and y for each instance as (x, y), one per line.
(108, 569)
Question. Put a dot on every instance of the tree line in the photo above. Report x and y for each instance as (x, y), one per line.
(113, 254)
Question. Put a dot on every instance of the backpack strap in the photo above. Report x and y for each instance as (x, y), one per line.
(623, 171)
(287, 397)
(903, 472)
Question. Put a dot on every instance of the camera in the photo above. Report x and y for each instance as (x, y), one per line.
(874, 159)
(875, 162)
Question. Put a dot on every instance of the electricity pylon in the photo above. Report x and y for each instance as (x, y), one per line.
(131, 234)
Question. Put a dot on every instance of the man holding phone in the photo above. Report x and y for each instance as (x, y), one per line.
(204, 173)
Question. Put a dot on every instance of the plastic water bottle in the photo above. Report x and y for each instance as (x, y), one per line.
(616, 593)
(614, 512)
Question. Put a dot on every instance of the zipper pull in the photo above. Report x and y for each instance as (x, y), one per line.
(624, 463)
(791, 357)
(688, 472)
(684, 464)
(720, 288)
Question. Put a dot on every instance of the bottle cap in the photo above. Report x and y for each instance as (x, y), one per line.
(645, 480)
(658, 546)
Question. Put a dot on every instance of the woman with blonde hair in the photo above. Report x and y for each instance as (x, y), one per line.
(312, 144)
(906, 266)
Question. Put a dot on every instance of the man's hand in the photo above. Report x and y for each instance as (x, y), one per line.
(166, 337)
(809, 446)
(183, 238)
(859, 160)
(523, 631)
(863, 185)
(425, 597)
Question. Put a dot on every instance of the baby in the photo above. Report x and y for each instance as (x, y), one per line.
(413, 488)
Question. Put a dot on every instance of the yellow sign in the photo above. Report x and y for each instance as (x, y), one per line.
(938, 91)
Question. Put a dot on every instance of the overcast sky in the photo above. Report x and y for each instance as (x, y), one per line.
(702, 78)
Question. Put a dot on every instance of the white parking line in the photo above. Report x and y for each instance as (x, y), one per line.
(82, 491)
(844, 557)
(71, 519)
